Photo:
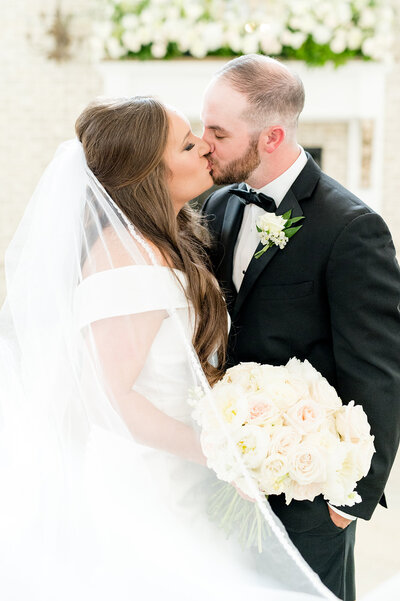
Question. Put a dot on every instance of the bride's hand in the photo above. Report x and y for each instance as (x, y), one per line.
(242, 494)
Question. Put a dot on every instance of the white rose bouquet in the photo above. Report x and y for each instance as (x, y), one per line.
(291, 432)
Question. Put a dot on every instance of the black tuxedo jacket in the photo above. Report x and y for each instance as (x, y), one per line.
(330, 296)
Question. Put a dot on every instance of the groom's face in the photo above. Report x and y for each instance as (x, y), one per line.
(234, 151)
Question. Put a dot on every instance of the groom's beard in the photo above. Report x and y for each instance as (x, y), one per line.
(239, 169)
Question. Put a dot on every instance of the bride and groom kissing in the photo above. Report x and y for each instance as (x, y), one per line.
(330, 296)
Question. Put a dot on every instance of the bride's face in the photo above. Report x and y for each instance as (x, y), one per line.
(185, 155)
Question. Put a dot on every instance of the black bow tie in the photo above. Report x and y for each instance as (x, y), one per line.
(260, 200)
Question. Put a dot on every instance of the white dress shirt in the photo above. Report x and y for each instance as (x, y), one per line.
(248, 238)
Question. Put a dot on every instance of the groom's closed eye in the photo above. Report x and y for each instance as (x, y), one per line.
(219, 132)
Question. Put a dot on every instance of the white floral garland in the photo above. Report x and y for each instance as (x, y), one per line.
(313, 30)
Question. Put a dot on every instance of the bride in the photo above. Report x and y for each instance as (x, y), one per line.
(112, 319)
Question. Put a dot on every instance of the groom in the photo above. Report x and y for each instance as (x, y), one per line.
(331, 295)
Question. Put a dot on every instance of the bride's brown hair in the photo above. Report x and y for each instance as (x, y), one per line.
(124, 141)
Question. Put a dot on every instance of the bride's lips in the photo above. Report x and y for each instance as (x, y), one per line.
(209, 165)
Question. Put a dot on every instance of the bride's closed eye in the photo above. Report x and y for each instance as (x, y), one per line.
(189, 147)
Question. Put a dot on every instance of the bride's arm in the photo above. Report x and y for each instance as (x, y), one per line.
(122, 345)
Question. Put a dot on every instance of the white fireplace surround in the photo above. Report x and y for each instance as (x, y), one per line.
(352, 94)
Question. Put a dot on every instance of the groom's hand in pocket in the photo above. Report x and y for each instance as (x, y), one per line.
(338, 520)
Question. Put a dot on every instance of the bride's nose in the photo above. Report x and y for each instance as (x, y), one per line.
(204, 147)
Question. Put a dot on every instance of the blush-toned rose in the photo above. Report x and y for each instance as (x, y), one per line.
(307, 464)
(283, 440)
(261, 410)
(306, 416)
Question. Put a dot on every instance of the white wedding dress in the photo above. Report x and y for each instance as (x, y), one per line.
(169, 493)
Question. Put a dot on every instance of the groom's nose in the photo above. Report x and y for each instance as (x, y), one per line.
(208, 141)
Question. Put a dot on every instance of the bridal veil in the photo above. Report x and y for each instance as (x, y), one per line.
(96, 502)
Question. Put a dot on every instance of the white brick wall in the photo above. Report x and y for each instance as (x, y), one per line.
(40, 100)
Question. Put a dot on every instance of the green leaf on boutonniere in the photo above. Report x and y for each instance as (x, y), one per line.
(292, 231)
(293, 220)
(258, 229)
(287, 215)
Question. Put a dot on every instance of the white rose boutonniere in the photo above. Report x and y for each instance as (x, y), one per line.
(275, 230)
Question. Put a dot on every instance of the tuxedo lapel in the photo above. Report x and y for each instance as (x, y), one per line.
(229, 233)
(256, 266)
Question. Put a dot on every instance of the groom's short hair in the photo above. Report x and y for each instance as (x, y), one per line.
(274, 93)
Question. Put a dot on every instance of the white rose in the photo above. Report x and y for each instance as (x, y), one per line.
(344, 12)
(193, 10)
(299, 387)
(233, 40)
(377, 47)
(270, 45)
(362, 454)
(352, 423)
(338, 44)
(293, 39)
(325, 394)
(305, 416)
(367, 18)
(145, 35)
(221, 459)
(341, 482)
(321, 34)
(354, 38)
(328, 442)
(131, 41)
(271, 223)
(172, 13)
(148, 16)
(273, 384)
(243, 375)
(213, 36)
(231, 404)
(274, 475)
(307, 464)
(250, 43)
(252, 445)
(159, 49)
(129, 21)
(301, 492)
(303, 370)
(339, 489)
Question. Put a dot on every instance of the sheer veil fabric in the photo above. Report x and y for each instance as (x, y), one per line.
(101, 498)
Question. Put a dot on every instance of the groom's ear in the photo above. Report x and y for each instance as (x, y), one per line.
(271, 138)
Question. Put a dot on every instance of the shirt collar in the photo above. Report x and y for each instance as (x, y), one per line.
(278, 188)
